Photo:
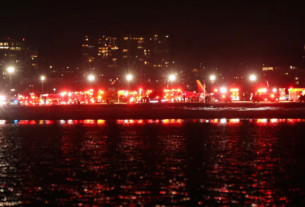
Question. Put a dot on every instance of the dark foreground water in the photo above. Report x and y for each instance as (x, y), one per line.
(153, 162)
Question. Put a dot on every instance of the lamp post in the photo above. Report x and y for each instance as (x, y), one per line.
(212, 78)
(10, 70)
(91, 78)
(252, 78)
(129, 78)
(42, 78)
(171, 78)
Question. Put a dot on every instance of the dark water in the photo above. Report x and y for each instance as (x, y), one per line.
(153, 162)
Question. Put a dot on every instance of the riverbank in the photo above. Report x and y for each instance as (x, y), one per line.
(156, 111)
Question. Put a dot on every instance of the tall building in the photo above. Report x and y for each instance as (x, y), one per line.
(99, 52)
(147, 52)
(150, 51)
(17, 54)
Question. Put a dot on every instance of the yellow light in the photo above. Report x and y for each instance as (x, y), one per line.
(91, 77)
(10, 69)
(129, 77)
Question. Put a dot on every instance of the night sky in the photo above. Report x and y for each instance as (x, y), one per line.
(217, 33)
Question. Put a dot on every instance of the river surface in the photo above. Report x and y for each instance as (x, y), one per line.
(218, 162)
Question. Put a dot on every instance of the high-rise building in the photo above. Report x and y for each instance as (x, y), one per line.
(19, 55)
(99, 52)
(147, 52)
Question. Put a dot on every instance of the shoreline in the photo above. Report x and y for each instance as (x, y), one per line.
(155, 111)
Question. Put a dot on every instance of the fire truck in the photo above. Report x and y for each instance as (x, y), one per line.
(262, 94)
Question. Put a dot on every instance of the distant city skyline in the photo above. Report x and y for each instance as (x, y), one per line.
(215, 33)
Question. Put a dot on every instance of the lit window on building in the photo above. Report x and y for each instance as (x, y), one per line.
(140, 47)
(267, 68)
(51, 66)
(166, 63)
(17, 61)
(125, 50)
(33, 64)
(99, 54)
(297, 82)
(5, 43)
(285, 73)
(156, 35)
(125, 56)
(144, 50)
(293, 67)
(155, 65)
(115, 48)
(87, 39)
(296, 78)
(114, 59)
(1, 43)
(12, 48)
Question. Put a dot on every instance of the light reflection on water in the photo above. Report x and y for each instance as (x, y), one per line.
(152, 162)
(150, 121)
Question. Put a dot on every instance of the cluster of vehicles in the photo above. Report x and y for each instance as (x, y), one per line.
(221, 94)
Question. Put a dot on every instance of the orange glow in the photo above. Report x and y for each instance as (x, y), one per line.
(261, 120)
(234, 89)
(100, 121)
(272, 95)
(234, 120)
(263, 90)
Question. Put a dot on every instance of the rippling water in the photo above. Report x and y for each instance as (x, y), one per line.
(215, 162)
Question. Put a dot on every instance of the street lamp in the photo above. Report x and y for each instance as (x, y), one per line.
(91, 78)
(252, 77)
(129, 77)
(10, 70)
(172, 77)
(42, 78)
(212, 78)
